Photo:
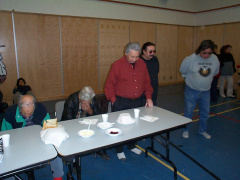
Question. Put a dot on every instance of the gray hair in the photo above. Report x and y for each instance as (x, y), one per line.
(86, 93)
(20, 103)
(133, 46)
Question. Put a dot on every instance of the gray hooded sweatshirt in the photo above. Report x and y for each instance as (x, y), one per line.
(198, 72)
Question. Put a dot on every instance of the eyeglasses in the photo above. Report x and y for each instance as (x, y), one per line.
(207, 53)
(151, 51)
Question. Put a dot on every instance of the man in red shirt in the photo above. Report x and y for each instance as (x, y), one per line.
(129, 86)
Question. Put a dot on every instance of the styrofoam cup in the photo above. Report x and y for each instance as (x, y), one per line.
(6, 139)
(105, 117)
(136, 112)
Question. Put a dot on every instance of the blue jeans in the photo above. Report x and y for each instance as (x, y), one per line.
(191, 98)
(57, 167)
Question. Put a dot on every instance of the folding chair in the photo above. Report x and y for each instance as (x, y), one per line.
(59, 106)
(59, 109)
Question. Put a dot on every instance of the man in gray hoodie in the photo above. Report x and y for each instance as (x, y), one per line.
(198, 70)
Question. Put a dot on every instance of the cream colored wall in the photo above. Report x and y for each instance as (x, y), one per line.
(99, 9)
(203, 5)
(185, 5)
(218, 17)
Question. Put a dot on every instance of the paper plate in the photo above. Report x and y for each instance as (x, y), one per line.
(126, 122)
(125, 118)
(86, 133)
(113, 132)
(104, 125)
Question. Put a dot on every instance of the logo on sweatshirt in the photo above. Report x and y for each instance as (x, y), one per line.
(204, 71)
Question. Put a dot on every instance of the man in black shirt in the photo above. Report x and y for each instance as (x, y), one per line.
(148, 55)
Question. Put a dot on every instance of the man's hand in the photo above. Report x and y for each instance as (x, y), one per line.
(149, 103)
(86, 107)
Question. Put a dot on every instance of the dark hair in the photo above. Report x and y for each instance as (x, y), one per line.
(20, 80)
(222, 50)
(145, 45)
(205, 45)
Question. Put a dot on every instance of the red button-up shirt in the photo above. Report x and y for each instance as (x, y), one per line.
(127, 81)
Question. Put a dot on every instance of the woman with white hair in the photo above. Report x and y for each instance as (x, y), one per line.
(82, 104)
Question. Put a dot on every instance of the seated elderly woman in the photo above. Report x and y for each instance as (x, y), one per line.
(21, 89)
(82, 104)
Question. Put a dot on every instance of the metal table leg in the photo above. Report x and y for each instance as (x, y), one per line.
(78, 163)
(166, 158)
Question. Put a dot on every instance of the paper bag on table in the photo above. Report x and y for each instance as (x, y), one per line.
(50, 123)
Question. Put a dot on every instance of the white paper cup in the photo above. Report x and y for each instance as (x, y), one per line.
(136, 112)
(105, 117)
(6, 139)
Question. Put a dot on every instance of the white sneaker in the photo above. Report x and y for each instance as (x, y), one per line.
(185, 134)
(206, 135)
(136, 151)
(222, 95)
(121, 156)
(232, 96)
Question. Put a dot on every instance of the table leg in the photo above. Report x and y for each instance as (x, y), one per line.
(30, 175)
(209, 172)
(78, 163)
(17, 177)
(166, 145)
(69, 174)
(151, 147)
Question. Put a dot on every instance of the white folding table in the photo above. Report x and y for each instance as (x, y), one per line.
(25, 152)
(79, 146)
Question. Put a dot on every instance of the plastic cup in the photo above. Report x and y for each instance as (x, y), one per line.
(6, 139)
(105, 117)
(136, 112)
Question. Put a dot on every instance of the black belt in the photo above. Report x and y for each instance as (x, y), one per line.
(132, 99)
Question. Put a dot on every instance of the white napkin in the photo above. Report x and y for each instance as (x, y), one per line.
(89, 121)
(54, 136)
(149, 118)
